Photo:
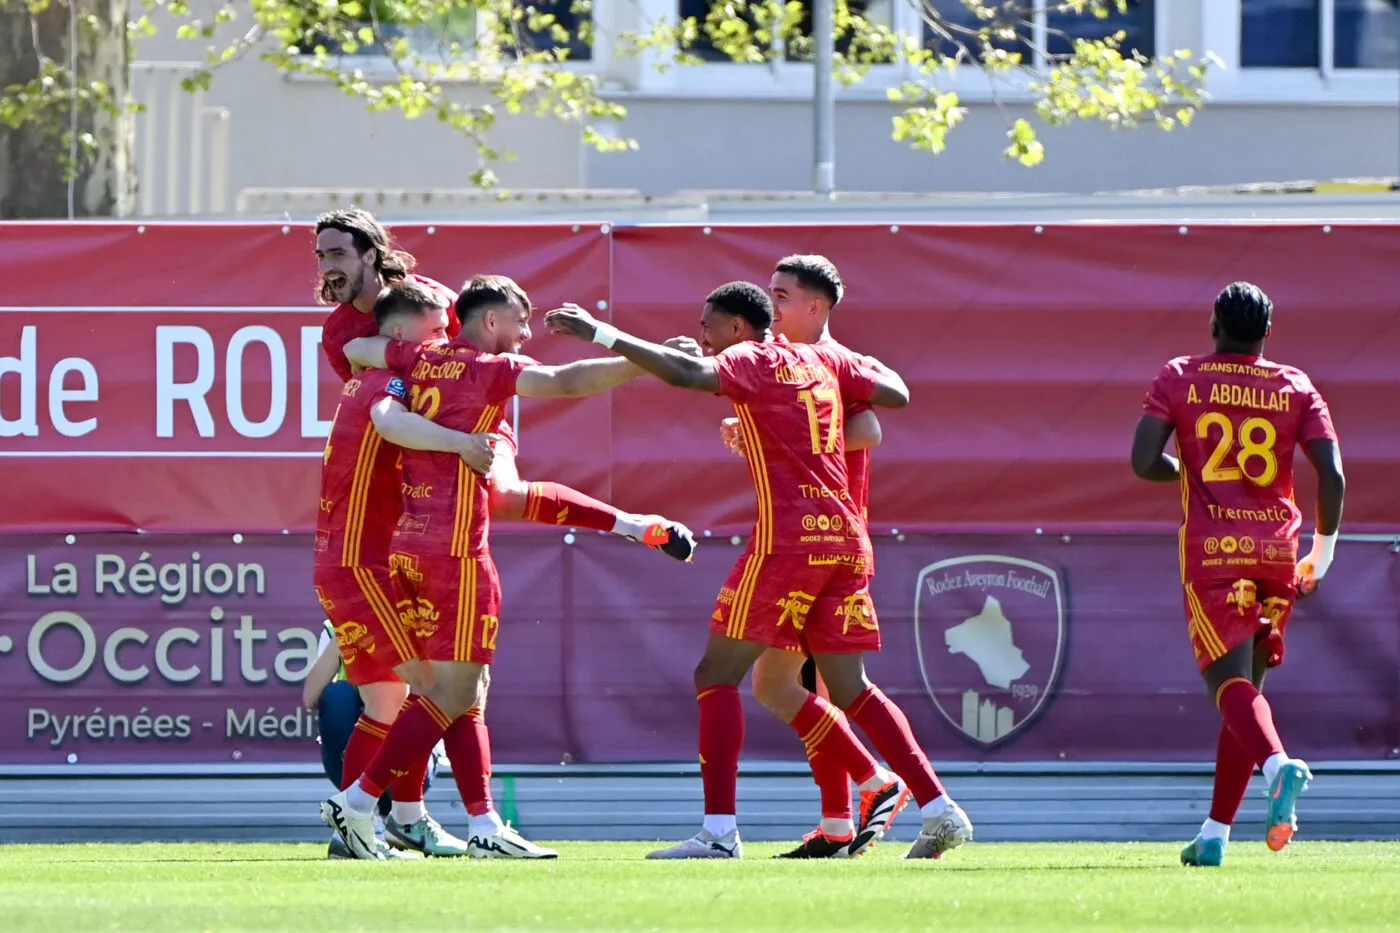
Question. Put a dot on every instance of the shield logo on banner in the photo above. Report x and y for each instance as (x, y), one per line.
(990, 634)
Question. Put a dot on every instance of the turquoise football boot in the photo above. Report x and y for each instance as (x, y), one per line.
(1202, 852)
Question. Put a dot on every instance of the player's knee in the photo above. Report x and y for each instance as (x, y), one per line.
(783, 699)
(716, 672)
(845, 681)
(777, 684)
(384, 700)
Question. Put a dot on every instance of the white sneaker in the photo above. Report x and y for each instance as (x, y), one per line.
(944, 832)
(506, 843)
(704, 845)
(391, 854)
(356, 830)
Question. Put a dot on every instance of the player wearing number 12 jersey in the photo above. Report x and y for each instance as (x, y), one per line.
(802, 583)
(446, 588)
(1237, 418)
(357, 259)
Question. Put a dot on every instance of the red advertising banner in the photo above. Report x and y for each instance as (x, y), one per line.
(127, 648)
(189, 395)
(168, 378)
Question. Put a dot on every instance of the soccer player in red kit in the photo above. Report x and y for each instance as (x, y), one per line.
(361, 500)
(801, 584)
(447, 590)
(357, 259)
(1237, 418)
(804, 290)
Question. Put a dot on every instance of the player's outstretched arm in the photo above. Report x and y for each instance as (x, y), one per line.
(671, 365)
(397, 425)
(367, 352)
(1150, 459)
(575, 380)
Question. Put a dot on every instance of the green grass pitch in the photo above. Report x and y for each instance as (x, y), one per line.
(263, 888)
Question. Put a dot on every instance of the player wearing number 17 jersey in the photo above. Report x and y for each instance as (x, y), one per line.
(1237, 418)
(802, 584)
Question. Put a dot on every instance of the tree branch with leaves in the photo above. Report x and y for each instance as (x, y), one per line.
(521, 53)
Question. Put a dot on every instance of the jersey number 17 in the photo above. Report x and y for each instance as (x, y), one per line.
(821, 411)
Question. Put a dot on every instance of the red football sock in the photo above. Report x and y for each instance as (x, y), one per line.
(888, 728)
(411, 739)
(409, 787)
(365, 740)
(721, 741)
(1233, 769)
(553, 504)
(827, 734)
(835, 785)
(468, 745)
(1249, 717)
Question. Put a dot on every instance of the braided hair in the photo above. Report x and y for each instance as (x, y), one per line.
(1244, 312)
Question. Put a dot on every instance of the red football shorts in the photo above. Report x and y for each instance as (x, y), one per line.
(356, 600)
(1222, 612)
(449, 607)
(787, 601)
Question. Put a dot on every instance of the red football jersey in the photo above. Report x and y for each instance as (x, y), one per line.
(347, 322)
(857, 461)
(790, 400)
(360, 494)
(1238, 420)
(459, 387)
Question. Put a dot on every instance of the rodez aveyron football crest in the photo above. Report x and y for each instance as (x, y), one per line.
(990, 633)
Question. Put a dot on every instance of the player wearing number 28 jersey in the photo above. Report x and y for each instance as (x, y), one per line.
(1237, 418)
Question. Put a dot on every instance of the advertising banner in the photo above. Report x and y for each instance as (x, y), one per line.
(167, 377)
(141, 648)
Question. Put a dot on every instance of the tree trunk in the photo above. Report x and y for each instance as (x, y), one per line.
(34, 178)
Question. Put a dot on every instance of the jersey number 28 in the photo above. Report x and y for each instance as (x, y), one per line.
(1256, 443)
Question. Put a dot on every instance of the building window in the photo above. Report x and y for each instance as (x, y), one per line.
(1033, 18)
(798, 46)
(958, 28)
(573, 17)
(1289, 34)
(875, 12)
(1138, 25)
(436, 38)
(1366, 34)
(703, 48)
